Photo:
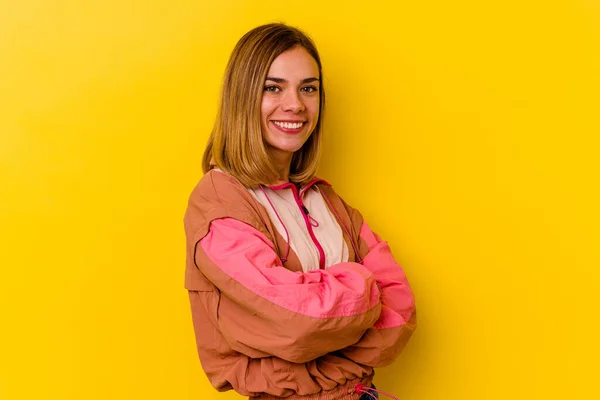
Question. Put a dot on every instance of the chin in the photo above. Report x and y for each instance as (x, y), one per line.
(290, 145)
(285, 144)
(288, 148)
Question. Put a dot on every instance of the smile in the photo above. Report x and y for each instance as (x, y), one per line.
(289, 125)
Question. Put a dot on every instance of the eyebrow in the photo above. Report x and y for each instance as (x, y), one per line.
(281, 80)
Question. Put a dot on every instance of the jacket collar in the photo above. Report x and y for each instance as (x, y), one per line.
(310, 184)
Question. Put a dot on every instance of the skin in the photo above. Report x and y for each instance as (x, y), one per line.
(291, 94)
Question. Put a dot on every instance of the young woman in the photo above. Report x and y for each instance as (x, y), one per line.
(292, 295)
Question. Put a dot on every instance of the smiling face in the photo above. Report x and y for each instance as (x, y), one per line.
(290, 103)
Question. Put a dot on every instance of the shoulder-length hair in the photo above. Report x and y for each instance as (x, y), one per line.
(236, 142)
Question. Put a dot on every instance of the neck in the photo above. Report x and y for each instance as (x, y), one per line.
(282, 162)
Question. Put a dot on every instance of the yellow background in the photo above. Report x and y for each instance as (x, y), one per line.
(466, 132)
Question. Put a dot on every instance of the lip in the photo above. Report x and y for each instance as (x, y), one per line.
(286, 130)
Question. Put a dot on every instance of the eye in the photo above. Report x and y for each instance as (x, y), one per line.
(309, 89)
(272, 88)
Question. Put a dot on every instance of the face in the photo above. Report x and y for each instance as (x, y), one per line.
(290, 102)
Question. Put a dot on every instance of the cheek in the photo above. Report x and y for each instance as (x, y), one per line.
(268, 106)
(313, 109)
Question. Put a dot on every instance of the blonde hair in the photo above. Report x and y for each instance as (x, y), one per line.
(236, 142)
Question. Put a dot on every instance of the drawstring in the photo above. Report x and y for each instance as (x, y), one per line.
(287, 235)
(342, 225)
(362, 389)
(370, 395)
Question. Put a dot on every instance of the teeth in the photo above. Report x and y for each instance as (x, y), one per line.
(289, 125)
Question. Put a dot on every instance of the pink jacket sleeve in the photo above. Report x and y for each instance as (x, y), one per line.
(267, 310)
(383, 342)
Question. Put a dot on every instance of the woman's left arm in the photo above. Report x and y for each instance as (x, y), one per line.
(382, 343)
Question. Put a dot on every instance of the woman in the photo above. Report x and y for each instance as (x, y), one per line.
(292, 295)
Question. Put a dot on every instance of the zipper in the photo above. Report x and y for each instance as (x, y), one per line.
(309, 226)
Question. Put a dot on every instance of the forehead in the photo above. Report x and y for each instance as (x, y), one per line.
(293, 64)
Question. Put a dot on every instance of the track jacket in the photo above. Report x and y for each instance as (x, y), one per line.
(268, 326)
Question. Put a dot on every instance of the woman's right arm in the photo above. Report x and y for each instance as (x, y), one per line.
(267, 310)
(227, 369)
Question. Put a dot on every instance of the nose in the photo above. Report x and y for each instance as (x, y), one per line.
(292, 102)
